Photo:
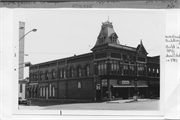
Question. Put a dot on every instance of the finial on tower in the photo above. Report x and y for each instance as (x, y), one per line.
(141, 41)
(108, 18)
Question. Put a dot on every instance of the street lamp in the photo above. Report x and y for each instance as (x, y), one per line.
(33, 30)
(22, 65)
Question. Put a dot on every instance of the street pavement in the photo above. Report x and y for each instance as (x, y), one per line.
(141, 104)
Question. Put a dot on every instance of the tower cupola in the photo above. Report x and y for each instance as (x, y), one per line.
(107, 35)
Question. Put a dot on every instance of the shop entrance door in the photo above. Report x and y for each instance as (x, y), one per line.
(98, 92)
(98, 95)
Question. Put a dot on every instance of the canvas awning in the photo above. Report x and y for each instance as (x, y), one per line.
(125, 86)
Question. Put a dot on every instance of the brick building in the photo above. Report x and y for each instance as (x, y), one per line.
(110, 71)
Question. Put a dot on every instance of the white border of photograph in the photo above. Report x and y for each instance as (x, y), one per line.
(89, 112)
(9, 96)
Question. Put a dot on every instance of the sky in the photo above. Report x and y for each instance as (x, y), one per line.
(65, 32)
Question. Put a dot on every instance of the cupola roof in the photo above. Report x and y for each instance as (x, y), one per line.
(107, 34)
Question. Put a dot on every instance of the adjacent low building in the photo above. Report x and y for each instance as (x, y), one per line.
(110, 71)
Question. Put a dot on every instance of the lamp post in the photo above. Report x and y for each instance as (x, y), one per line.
(33, 30)
(22, 65)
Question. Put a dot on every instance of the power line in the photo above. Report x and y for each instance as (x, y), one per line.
(153, 48)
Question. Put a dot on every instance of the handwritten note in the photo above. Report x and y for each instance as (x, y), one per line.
(172, 48)
(169, 3)
(157, 4)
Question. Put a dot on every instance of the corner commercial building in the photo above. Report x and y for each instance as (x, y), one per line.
(110, 71)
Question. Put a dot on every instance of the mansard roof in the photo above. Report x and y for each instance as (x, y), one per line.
(108, 37)
(107, 34)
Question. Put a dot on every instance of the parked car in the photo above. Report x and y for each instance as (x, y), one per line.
(24, 101)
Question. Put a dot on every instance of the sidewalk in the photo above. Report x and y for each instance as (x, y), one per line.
(128, 101)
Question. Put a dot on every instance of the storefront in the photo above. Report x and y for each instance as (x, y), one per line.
(122, 89)
(32, 90)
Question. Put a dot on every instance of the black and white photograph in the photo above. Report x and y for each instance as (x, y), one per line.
(89, 59)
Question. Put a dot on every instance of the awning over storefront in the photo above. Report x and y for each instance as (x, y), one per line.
(123, 86)
(120, 86)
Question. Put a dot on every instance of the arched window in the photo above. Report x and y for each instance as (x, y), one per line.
(53, 91)
(40, 91)
(79, 71)
(60, 73)
(53, 74)
(43, 91)
(46, 75)
(79, 84)
(49, 90)
(71, 72)
(64, 73)
(87, 70)
(40, 76)
(157, 71)
(153, 71)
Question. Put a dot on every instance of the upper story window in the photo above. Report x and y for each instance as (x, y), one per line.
(71, 72)
(60, 73)
(46, 75)
(87, 70)
(141, 70)
(124, 57)
(157, 71)
(30, 77)
(53, 74)
(131, 70)
(79, 71)
(40, 75)
(35, 76)
(125, 69)
(64, 73)
(115, 67)
(149, 72)
(102, 68)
